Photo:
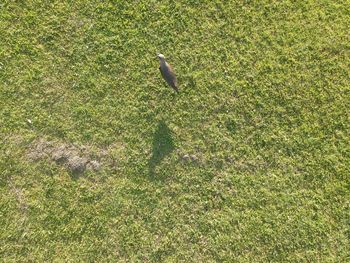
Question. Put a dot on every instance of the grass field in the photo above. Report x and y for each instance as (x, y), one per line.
(250, 162)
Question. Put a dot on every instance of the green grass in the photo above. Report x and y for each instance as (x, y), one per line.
(264, 105)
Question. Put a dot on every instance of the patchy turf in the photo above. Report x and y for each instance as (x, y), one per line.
(248, 163)
(76, 158)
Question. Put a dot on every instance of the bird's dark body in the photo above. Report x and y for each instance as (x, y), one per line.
(169, 76)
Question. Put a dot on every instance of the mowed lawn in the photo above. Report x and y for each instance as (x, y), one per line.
(250, 162)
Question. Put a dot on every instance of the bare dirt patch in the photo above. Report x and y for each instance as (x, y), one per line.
(76, 158)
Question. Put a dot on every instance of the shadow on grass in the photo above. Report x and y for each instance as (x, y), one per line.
(162, 145)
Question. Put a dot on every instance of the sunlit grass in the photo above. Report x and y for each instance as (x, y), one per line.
(248, 163)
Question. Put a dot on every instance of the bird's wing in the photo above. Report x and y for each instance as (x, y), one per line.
(169, 75)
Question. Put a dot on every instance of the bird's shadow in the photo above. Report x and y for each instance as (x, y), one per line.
(162, 146)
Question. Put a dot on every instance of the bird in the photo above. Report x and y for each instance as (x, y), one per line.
(168, 73)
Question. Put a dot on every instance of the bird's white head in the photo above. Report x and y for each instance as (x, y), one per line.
(161, 57)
